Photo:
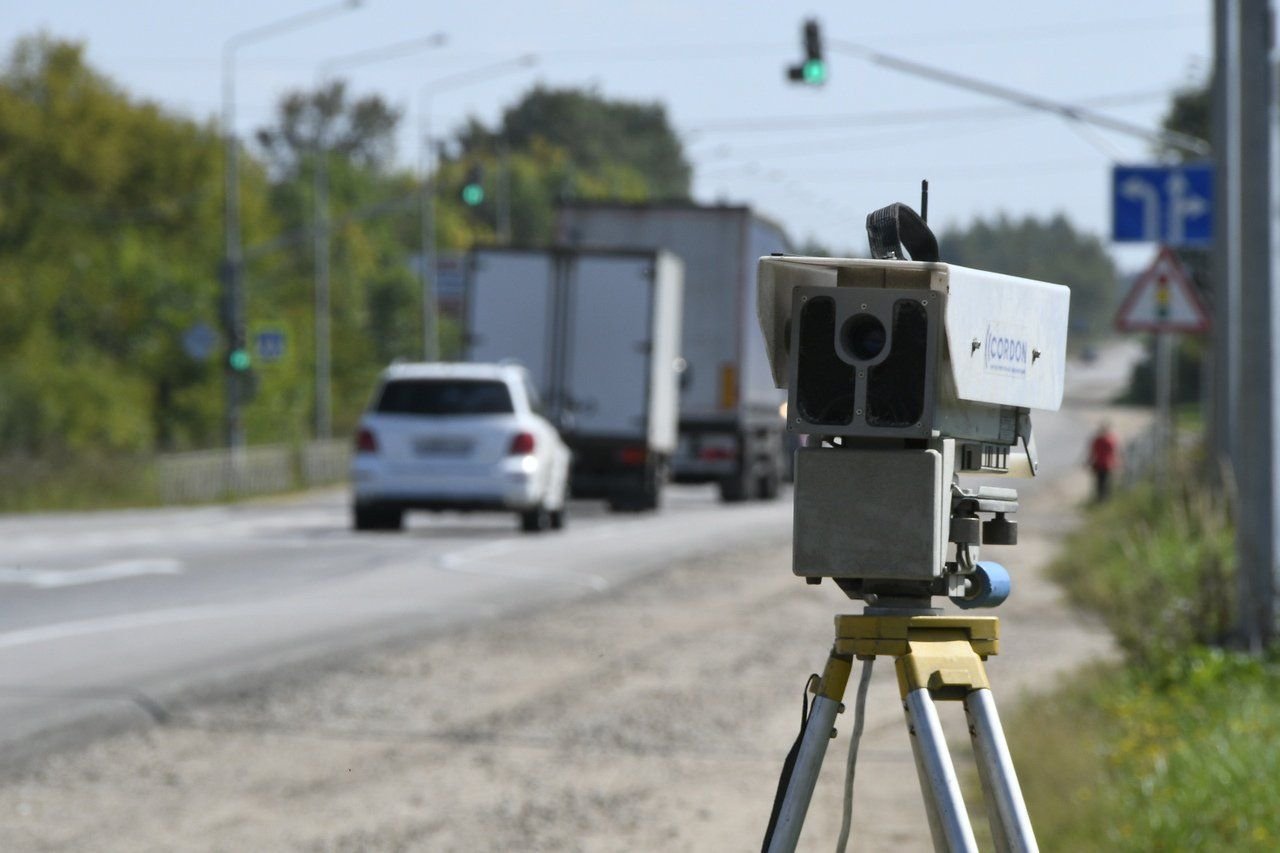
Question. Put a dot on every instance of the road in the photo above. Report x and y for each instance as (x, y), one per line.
(108, 614)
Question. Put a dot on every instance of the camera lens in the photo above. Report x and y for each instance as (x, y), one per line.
(863, 336)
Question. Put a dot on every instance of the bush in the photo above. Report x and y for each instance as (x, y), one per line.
(1158, 565)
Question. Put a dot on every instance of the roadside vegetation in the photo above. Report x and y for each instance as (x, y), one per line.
(1178, 746)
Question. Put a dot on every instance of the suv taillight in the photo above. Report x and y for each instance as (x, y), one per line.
(366, 441)
(522, 444)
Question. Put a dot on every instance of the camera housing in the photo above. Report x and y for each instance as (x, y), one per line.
(904, 374)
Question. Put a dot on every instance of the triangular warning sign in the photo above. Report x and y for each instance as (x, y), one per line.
(1163, 299)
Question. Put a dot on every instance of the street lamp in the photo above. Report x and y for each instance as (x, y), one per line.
(322, 234)
(233, 319)
(430, 335)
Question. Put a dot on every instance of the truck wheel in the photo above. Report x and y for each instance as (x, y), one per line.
(558, 517)
(377, 518)
(767, 486)
(734, 489)
(645, 497)
(535, 520)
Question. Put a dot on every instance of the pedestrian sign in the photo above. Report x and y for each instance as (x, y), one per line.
(1163, 299)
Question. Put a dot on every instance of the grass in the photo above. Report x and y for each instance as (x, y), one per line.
(83, 483)
(1180, 757)
(1178, 747)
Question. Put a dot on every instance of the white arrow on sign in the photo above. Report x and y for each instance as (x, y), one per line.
(1145, 194)
(1183, 205)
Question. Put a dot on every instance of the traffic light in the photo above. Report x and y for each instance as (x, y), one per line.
(813, 70)
(473, 187)
(238, 359)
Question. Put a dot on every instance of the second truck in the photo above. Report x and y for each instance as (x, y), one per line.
(731, 415)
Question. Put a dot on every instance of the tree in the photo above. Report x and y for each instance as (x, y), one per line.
(1050, 250)
(361, 131)
(109, 213)
(598, 134)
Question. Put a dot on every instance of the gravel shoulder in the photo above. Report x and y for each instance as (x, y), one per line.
(651, 717)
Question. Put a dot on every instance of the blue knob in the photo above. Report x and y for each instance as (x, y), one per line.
(989, 587)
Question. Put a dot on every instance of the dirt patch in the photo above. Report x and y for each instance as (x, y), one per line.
(654, 717)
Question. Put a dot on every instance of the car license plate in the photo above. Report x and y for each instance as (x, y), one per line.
(442, 446)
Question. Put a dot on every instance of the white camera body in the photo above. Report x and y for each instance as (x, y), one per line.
(904, 373)
(885, 348)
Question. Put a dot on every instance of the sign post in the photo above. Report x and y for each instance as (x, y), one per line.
(1164, 301)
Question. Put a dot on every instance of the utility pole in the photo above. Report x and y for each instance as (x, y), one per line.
(430, 168)
(1250, 187)
(323, 235)
(236, 359)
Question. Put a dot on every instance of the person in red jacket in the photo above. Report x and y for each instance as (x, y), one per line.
(1104, 458)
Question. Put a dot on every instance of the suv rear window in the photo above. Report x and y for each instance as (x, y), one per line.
(445, 397)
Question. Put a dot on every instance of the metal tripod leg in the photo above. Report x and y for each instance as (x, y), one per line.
(1007, 813)
(813, 748)
(948, 819)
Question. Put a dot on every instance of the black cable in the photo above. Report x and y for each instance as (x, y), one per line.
(784, 779)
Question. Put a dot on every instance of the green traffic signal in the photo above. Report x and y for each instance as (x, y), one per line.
(472, 194)
(239, 360)
(814, 72)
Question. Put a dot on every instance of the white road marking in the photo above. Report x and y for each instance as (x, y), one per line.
(54, 578)
(481, 560)
(198, 613)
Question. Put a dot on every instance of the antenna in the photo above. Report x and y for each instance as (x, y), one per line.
(924, 200)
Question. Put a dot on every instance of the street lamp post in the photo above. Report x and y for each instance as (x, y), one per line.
(430, 331)
(232, 272)
(322, 233)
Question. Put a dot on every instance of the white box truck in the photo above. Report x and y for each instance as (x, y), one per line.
(731, 415)
(599, 331)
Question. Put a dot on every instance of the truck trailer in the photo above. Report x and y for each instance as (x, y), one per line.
(599, 332)
(731, 415)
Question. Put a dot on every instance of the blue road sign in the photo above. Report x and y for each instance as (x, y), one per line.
(1170, 204)
(199, 341)
(270, 345)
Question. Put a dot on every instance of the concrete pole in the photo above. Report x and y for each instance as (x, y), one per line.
(320, 173)
(1220, 377)
(1164, 406)
(430, 333)
(1250, 189)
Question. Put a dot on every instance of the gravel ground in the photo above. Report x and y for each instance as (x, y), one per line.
(653, 717)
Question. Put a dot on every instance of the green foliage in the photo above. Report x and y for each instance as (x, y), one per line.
(559, 144)
(111, 241)
(1180, 755)
(1178, 748)
(1190, 112)
(599, 135)
(1158, 565)
(108, 214)
(1050, 250)
(1188, 359)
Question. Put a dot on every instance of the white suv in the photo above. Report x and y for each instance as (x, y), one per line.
(457, 437)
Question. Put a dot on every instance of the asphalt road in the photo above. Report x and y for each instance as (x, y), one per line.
(106, 614)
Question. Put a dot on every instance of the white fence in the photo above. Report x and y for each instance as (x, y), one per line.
(209, 475)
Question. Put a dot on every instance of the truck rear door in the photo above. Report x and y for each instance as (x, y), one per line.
(610, 308)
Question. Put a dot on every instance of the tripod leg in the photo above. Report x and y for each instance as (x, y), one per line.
(948, 820)
(813, 748)
(1010, 823)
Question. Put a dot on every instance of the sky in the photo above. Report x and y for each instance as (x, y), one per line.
(816, 159)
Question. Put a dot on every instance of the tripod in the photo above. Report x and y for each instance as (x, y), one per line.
(937, 658)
